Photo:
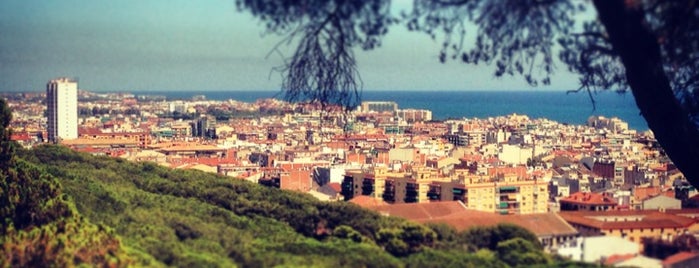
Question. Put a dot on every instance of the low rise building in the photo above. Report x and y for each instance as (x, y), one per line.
(549, 228)
(632, 225)
(597, 248)
(509, 197)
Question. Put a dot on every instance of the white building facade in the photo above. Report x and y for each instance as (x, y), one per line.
(62, 109)
(596, 248)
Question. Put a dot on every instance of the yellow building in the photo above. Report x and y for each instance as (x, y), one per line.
(501, 194)
(512, 197)
(390, 186)
(374, 183)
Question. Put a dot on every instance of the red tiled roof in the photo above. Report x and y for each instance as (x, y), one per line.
(20, 136)
(685, 212)
(367, 201)
(89, 131)
(189, 148)
(209, 161)
(641, 193)
(636, 219)
(589, 199)
(541, 224)
(456, 215)
(335, 186)
(98, 142)
(421, 211)
(678, 257)
(520, 171)
(617, 258)
(471, 158)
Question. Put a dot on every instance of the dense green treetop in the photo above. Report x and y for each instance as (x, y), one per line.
(154, 215)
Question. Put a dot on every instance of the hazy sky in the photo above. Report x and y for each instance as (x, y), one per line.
(131, 45)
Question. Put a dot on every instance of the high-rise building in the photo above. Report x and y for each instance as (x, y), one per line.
(62, 109)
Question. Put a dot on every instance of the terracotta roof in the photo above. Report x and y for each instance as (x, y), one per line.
(89, 131)
(96, 142)
(209, 161)
(367, 201)
(589, 199)
(20, 136)
(453, 213)
(679, 257)
(642, 193)
(492, 160)
(636, 219)
(335, 186)
(422, 211)
(520, 171)
(179, 148)
(685, 212)
(471, 158)
(617, 258)
(541, 224)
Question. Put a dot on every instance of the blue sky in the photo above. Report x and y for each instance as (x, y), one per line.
(131, 45)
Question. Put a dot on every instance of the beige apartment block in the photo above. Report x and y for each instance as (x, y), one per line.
(511, 197)
(504, 194)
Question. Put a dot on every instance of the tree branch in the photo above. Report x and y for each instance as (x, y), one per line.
(640, 53)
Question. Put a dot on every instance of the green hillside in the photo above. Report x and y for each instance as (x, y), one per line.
(63, 208)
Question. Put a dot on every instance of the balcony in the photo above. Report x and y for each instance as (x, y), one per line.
(459, 191)
(505, 199)
(508, 190)
(434, 196)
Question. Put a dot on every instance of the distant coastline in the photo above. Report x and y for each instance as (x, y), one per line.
(573, 108)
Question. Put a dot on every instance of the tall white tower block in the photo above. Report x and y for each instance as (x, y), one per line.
(62, 105)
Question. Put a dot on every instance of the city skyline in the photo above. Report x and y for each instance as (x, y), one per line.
(202, 46)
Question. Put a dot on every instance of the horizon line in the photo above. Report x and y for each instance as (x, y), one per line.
(280, 91)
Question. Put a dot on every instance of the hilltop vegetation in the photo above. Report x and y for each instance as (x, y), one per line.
(64, 208)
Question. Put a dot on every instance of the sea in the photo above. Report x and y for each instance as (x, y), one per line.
(560, 106)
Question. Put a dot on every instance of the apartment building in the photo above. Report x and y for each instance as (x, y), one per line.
(379, 106)
(62, 109)
(389, 186)
(504, 197)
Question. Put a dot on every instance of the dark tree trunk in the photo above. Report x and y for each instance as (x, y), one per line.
(639, 51)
